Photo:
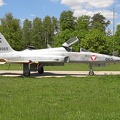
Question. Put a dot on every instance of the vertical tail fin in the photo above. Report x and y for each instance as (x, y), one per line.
(4, 45)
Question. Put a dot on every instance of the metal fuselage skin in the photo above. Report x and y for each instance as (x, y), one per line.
(56, 55)
(35, 60)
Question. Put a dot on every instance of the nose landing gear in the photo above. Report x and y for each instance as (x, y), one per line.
(91, 72)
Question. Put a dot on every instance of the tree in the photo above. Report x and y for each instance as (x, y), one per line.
(37, 39)
(39, 33)
(96, 41)
(67, 21)
(11, 29)
(82, 26)
(54, 29)
(99, 22)
(116, 40)
(83, 23)
(62, 37)
(47, 30)
(26, 33)
(55, 25)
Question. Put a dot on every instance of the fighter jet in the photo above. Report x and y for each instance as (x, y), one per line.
(35, 60)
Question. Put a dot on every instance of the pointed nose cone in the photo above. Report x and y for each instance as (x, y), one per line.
(116, 59)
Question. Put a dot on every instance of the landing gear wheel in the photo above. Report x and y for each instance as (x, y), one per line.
(41, 70)
(27, 74)
(91, 73)
(26, 70)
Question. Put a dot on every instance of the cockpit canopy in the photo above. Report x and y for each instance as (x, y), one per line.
(70, 42)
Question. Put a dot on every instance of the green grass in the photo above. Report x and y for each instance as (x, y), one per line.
(69, 98)
(67, 67)
(84, 67)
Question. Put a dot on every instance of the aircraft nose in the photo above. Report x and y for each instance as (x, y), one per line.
(116, 58)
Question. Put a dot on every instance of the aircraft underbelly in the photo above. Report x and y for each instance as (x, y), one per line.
(35, 58)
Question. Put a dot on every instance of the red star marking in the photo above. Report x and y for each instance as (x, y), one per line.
(93, 57)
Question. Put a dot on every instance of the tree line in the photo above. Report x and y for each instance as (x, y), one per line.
(92, 32)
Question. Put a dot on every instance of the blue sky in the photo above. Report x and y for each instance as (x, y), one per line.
(30, 9)
(23, 9)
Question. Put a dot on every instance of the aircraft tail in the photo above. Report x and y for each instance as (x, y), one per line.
(4, 45)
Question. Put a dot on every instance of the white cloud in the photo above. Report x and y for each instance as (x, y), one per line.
(88, 3)
(2, 3)
(100, 3)
(109, 14)
(105, 13)
(90, 7)
(78, 13)
(71, 2)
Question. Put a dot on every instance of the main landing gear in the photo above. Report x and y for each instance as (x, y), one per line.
(26, 70)
(34, 67)
(91, 73)
(40, 69)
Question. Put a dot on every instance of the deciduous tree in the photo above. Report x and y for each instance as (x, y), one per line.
(11, 29)
(99, 22)
(67, 21)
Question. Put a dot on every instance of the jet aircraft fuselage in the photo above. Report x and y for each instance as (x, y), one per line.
(35, 60)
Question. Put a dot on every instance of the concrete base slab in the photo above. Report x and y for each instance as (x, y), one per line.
(57, 73)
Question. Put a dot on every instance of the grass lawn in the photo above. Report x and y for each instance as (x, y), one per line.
(66, 67)
(84, 67)
(69, 98)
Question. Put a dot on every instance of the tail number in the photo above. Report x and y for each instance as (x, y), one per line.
(3, 48)
(109, 59)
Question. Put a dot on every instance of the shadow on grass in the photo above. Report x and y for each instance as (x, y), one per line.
(35, 74)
